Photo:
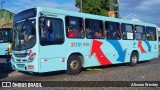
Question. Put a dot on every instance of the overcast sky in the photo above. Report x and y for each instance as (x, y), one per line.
(144, 10)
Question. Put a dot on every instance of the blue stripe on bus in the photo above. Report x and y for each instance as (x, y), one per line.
(119, 50)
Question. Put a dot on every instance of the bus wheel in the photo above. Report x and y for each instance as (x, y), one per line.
(134, 59)
(74, 65)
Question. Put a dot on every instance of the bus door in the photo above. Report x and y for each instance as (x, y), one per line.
(52, 43)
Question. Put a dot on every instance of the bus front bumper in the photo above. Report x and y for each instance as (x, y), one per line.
(27, 67)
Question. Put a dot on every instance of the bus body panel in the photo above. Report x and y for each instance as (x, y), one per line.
(52, 58)
(5, 37)
(21, 63)
(3, 49)
(55, 57)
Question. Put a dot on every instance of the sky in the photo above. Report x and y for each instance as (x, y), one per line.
(144, 10)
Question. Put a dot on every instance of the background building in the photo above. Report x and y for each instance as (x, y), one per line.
(6, 18)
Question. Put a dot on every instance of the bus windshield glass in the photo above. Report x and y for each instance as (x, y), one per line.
(5, 35)
(29, 13)
(24, 35)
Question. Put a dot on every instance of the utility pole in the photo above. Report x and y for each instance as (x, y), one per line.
(114, 3)
(111, 11)
(80, 5)
(2, 2)
(118, 9)
(111, 5)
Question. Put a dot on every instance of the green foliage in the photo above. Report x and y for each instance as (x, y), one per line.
(98, 7)
(104, 12)
(6, 14)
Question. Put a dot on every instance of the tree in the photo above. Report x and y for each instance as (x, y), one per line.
(98, 7)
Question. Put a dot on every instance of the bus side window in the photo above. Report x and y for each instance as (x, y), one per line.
(119, 32)
(140, 32)
(42, 27)
(81, 34)
(51, 31)
(151, 33)
(46, 29)
(94, 29)
(127, 31)
(1, 36)
(68, 28)
(107, 33)
(74, 27)
(88, 31)
(112, 30)
(101, 30)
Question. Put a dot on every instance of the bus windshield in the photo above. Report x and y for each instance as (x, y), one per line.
(24, 34)
(5, 35)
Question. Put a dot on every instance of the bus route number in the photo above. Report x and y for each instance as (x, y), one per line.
(79, 44)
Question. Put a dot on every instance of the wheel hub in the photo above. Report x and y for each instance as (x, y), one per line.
(134, 59)
(74, 64)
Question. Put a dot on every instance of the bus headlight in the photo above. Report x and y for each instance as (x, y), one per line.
(32, 57)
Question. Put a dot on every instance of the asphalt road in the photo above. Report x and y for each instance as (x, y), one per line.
(144, 71)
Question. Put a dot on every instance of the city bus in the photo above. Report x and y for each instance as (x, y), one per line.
(5, 37)
(48, 39)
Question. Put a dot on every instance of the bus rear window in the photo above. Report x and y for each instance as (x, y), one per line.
(5, 35)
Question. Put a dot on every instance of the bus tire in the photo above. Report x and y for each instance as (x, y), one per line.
(74, 65)
(134, 59)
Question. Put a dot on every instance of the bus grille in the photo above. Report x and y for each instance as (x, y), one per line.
(20, 60)
(21, 55)
(20, 65)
